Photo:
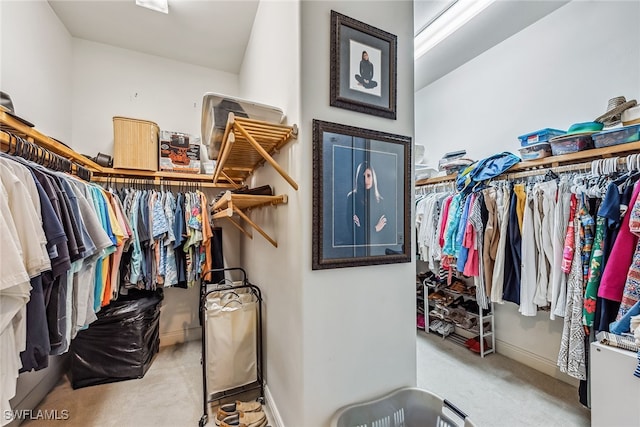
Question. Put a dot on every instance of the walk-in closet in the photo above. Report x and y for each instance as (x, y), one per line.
(314, 213)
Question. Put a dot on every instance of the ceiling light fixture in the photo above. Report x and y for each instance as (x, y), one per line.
(447, 23)
(157, 5)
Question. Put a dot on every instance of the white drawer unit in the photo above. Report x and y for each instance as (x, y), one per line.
(615, 391)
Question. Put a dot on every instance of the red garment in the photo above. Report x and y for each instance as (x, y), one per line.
(443, 220)
(569, 241)
(617, 267)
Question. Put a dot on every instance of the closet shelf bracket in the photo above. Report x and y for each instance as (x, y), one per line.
(231, 204)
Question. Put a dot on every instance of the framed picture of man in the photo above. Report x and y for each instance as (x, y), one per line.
(361, 196)
(363, 67)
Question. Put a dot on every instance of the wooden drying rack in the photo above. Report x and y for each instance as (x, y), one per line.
(573, 161)
(248, 144)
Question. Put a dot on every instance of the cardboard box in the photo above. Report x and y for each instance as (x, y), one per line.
(179, 152)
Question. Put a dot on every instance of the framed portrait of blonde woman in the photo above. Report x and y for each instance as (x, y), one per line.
(363, 67)
(361, 196)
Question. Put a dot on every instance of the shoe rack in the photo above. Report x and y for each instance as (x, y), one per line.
(446, 313)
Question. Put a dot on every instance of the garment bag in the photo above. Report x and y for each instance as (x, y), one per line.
(231, 339)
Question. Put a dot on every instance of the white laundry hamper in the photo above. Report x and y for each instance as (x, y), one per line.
(405, 407)
(231, 340)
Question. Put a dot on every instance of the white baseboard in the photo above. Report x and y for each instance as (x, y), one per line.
(180, 336)
(534, 361)
(272, 408)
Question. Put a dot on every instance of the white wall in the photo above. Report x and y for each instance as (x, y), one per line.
(110, 81)
(560, 70)
(106, 80)
(359, 338)
(36, 66)
(36, 72)
(270, 74)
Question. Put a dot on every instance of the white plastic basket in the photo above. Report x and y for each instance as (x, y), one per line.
(405, 407)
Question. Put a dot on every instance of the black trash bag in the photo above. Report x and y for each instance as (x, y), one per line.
(120, 344)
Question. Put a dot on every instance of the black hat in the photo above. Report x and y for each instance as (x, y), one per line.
(6, 105)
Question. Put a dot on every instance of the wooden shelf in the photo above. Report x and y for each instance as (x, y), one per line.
(248, 144)
(99, 173)
(123, 175)
(230, 204)
(554, 161)
(14, 126)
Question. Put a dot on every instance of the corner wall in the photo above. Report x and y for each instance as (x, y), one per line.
(359, 338)
(561, 70)
(35, 62)
(270, 75)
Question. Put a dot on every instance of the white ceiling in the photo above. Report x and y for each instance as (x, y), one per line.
(214, 33)
(496, 23)
(210, 33)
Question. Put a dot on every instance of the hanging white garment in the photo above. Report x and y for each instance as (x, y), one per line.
(544, 193)
(502, 203)
(560, 222)
(529, 262)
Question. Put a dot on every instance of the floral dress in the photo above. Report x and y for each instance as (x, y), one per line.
(571, 358)
(595, 274)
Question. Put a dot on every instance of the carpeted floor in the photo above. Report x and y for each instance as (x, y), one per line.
(494, 391)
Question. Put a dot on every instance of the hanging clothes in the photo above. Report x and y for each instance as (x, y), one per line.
(561, 216)
(503, 197)
(615, 272)
(513, 252)
(571, 358)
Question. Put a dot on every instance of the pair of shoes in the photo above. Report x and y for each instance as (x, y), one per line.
(230, 409)
(458, 286)
(420, 321)
(469, 323)
(457, 315)
(474, 344)
(435, 325)
(456, 302)
(439, 311)
(436, 296)
(446, 328)
(245, 419)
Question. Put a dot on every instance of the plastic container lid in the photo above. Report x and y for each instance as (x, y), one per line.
(539, 136)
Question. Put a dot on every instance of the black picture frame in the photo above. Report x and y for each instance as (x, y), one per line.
(341, 156)
(350, 39)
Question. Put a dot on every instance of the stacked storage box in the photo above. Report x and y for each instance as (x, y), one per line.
(535, 145)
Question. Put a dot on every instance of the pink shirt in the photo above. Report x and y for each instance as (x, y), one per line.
(443, 219)
(615, 272)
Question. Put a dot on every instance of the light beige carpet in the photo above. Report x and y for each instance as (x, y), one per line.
(496, 391)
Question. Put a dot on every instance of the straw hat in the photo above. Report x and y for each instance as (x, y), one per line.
(615, 107)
